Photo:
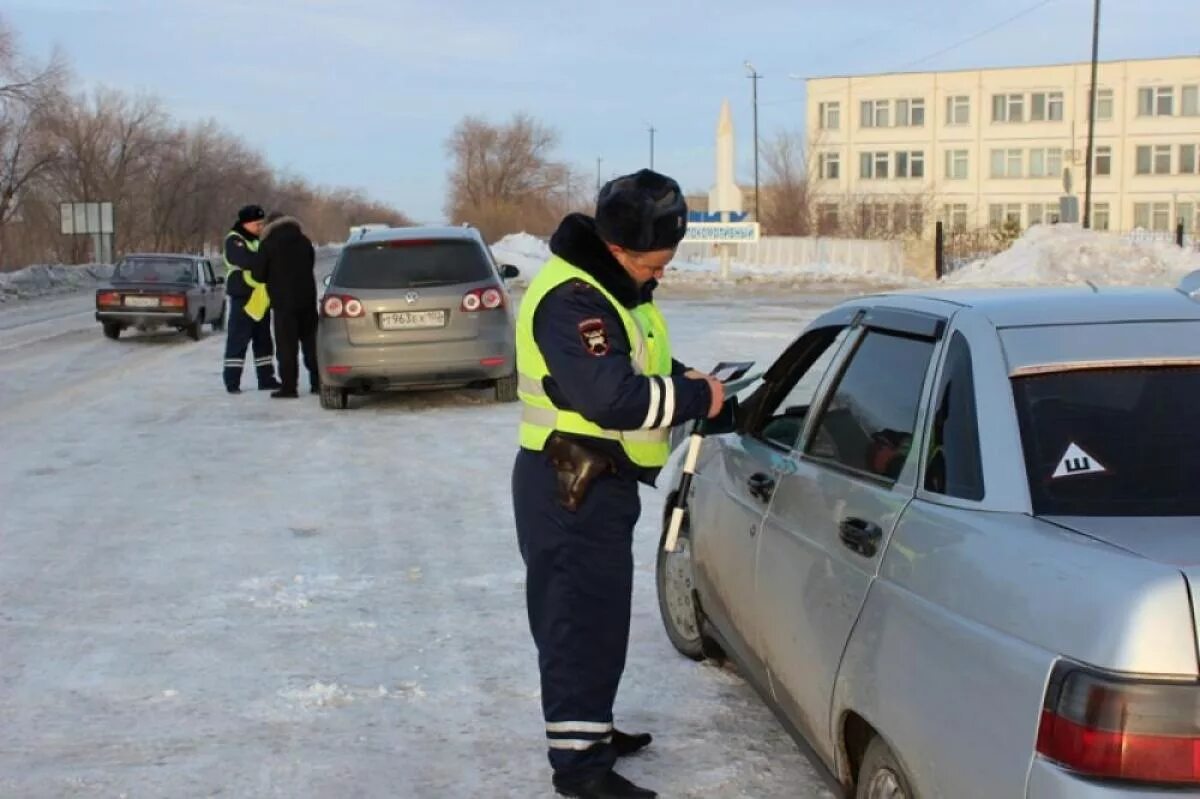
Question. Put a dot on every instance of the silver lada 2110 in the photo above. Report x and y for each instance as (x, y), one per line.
(955, 544)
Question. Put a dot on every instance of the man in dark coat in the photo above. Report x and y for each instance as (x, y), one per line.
(286, 262)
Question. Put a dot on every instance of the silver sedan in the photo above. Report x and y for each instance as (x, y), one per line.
(954, 542)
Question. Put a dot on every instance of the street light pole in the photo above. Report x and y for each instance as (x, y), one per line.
(754, 78)
(1091, 140)
(652, 129)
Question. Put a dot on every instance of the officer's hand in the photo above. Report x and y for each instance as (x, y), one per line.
(718, 396)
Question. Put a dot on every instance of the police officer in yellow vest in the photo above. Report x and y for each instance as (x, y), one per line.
(600, 391)
(249, 319)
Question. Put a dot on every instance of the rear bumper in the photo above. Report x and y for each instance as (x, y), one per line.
(145, 318)
(426, 365)
(1048, 781)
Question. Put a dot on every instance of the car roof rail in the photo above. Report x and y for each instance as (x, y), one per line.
(1190, 285)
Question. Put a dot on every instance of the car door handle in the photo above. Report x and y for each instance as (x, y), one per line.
(761, 486)
(860, 536)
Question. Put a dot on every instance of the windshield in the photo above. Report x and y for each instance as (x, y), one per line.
(411, 264)
(155, 270)
(1112, 442)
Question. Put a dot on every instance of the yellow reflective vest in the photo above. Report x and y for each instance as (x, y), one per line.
(650, 348)
(259, 303)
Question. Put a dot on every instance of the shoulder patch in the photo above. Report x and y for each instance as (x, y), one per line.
(594, 336)
(581, 286)
(239, 243)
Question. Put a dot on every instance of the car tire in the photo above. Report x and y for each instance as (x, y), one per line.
(196, 329)
(506, 388)
(219, 322)
(676, 593)
(334, 398)
(112, 330)
(881, 775)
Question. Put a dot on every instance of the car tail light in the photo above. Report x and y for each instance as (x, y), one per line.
(1108, 727)
(173, 301)
(497, 361)
(338, 370)
(108, 298)
(488, 299)
(335, 306)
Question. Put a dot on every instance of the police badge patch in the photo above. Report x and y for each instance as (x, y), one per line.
(595, 337)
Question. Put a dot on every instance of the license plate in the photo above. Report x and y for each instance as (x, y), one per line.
(412, 320)
(142, 302)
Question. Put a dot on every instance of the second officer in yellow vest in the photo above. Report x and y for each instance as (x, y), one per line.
(600, 391)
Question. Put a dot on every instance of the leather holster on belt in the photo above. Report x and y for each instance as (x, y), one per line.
(577, 467)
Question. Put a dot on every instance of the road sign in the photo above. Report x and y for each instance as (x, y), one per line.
(722, 232)
(83, 219)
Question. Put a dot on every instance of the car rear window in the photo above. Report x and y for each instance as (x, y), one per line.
(155, 270)
(411, 264)
(1112, 442)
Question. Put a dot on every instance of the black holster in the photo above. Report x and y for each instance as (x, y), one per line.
(577, 466)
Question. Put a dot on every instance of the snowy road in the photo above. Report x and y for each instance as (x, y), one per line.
(208, 595)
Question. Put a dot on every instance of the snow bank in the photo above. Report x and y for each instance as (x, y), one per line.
(37, 281)
(528, 253)
(523, 251)
(1068, 254)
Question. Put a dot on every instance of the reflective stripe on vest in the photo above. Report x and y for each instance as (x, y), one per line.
(650, 355)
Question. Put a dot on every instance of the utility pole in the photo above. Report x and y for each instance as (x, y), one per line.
(652, 130)
(1091, 139)
(754, 78)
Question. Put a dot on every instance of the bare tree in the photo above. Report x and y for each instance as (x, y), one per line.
(504, 177)
(787, 208)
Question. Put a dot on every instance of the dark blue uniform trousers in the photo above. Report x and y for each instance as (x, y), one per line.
(578, 584)
(242, 330)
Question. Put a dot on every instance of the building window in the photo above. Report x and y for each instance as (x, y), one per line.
(873, 166)
(1008, 107)
(1006, 163)
(956, 164)
(958, 110)
(827, 218)
(1103, 160)
(955, 216)
(910, 113)
(910, 164)
(1046, 107)
(1104, 105)
(874, 113)
(1052, 214)
(1100, 218)
(1158, 101)
(1154, 160)
(1187, 159)
(1152, 216)
(830, 166)
(1189, 101)
(999, 215)
(1045, 162)
(831, 116)
(1034, 213)
(1185, 215)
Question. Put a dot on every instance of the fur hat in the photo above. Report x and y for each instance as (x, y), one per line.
(642, 212)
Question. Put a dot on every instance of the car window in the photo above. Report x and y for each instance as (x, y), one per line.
(208, 273)
(955, 467)
(867, 425)
(1112, 442)
(801, 369)
(412, 264)
(155, 270)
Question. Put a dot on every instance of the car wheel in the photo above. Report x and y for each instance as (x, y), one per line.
(506, 389)
(334, 398)
(881, 776)
(676, 598)
(219, 322)
(196, 329)
(112, 330)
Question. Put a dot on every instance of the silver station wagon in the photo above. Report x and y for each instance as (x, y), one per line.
(954, 543)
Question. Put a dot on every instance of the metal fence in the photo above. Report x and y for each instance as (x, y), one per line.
(809, 252)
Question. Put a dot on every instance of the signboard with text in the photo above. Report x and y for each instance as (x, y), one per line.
(722, 232)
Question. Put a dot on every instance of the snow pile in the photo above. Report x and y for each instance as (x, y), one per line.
(707, 271)
(37, 281)
(523, 251)
(1068, 254)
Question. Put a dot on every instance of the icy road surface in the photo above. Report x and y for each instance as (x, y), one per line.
(207, 595)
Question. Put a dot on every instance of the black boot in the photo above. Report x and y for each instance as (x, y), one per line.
(284, 393)
(269, 385)
(627, 744)
(609, 785)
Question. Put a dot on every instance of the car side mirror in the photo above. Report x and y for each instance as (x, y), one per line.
(220, 281)
(508, 272)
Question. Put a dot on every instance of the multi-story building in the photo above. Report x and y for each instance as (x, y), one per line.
(979, 147)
